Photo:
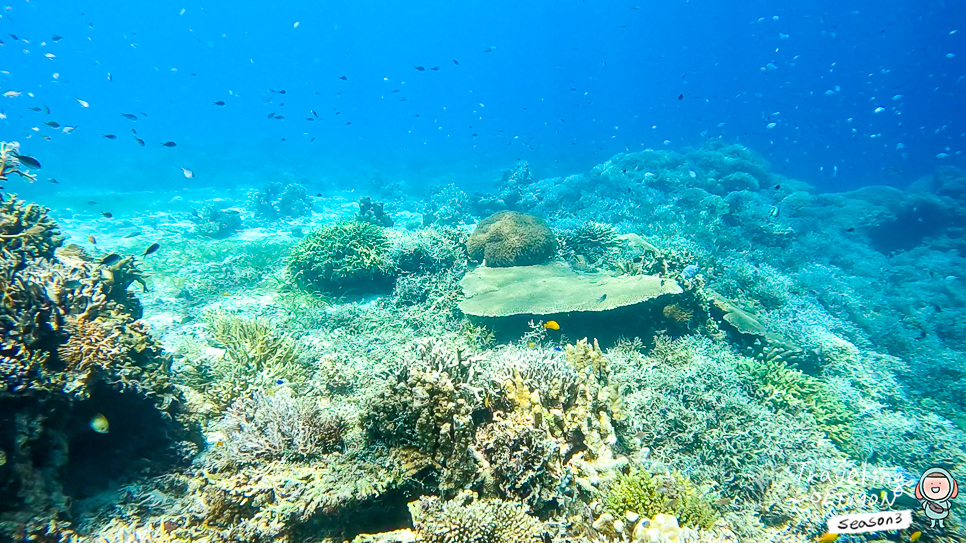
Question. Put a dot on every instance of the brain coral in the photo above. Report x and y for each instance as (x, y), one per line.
(509, 239)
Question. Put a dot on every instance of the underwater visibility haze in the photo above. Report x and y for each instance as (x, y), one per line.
(482, 272)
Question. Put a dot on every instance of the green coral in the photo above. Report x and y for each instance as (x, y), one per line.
(509, 239)
(669, 493)
(790, 389)
(591, 240)
(346, 256)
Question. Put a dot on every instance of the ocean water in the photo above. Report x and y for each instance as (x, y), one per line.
(727, 302)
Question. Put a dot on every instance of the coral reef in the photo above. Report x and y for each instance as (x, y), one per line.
(275, 201)
(466, 519)
(590, 243)
(71, 345)
(448, 206)
(511, 239)
(343, 257)
(10, 163)
(215, 223)
(669, 493)
(373, 213)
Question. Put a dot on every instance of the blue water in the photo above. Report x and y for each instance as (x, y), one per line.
(563, 85)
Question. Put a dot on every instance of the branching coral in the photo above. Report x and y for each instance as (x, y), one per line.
(468, 520)
(26, 231)
(670, 493)
(346, 256)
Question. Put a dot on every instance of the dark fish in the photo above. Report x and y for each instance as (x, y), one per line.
(282, 104)
(14, 36)
(107, 214)
(110, 136)
(129, 116)
(852, 229)
(776, 187)
(233, 212)
(92, 203)
(56, 38)
(134, 234)
(110, 259)
(319, 195)
(602, 298)
(680, 97)
(280, 117)
(170, 144)
(310, 118)
(140, 141)
(29, 161)
(281, 91)
(219, 103)
(395, 90)
(143, 114)
(343, 78)
(52, 180)
(195, 214)
(419, 68)
(314, 114)
(270, 115)
(456, 63)
(46, 109)
(34, 109)
(154, 247)
(435, 68)
(490, 49)
(52, 124)
(348, 123)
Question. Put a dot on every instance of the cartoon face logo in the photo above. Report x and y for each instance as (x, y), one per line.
(935, 491)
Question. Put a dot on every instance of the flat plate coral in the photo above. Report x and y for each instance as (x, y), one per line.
(555, 288)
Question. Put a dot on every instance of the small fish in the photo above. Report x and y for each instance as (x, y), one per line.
(68, 129)
(56, 38)
(170, 144)
(456, 63)
(134, 234)
(129, 116)
(602, 298)
(851, 229)
(419, 68)
(435, 68)
(195, 214)
(52, 180)
(92, 239)
(188, 173)
(110, 259)
(100, 424)
(319, 195)
(107, 214)
(343, 78)
(140, 141)
(82, 103)
(776, 187)
(46, 110)
(219, 103)
(14, 36)
(773, 211)
(28, 161)
(314, 114)
(270, 115)
(279, 117)
(11, 94)
(91, 203)
(680, 97)
(551, 325)
(110, 136)
(915, 536)
(34, 109)
(154, 247)
(109, 79)
(828, 538)
(52, 124)
(490, 49)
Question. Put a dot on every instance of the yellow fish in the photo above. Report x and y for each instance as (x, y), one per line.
(915, 536)
(100, 424)
(551, 325)
(828, 538)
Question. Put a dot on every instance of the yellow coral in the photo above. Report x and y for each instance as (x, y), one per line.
(585, 354)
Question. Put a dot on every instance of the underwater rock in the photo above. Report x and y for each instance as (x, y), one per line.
(509, 239)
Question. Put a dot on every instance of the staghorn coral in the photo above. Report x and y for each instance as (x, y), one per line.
(509, 238)
(468, 520)
(346, 256)
(669, 493)
(276, 425)
(591, 242)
